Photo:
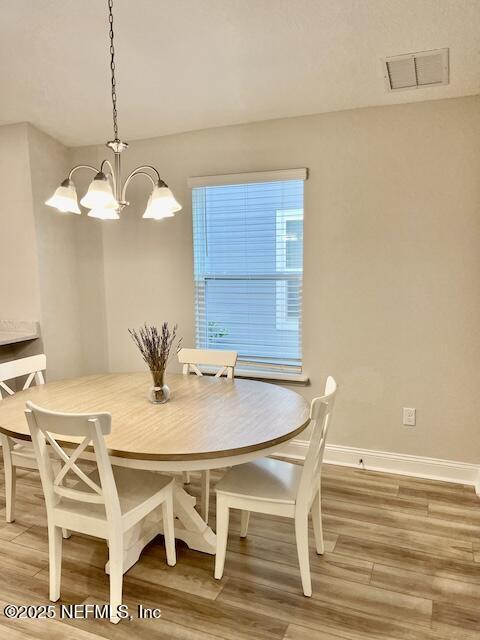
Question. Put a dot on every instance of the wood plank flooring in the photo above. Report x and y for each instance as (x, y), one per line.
(402, 562)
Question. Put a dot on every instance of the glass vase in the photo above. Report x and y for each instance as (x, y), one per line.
(159, 393)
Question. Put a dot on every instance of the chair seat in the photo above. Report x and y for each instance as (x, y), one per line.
(134, 488)
(264, 479)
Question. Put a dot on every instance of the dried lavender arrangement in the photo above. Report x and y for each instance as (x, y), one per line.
(155, 347)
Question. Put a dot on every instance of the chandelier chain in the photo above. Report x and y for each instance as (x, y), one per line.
(112, 69)
(106, 194)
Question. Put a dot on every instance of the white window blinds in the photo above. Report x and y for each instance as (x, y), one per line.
(248, 248)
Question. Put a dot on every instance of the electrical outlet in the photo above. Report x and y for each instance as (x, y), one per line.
(409, 416)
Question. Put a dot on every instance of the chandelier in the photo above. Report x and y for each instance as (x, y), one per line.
(106, 194)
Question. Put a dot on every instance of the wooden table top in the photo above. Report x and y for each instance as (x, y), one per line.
(206, 417)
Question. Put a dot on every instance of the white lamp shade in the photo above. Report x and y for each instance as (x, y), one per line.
(106, 213)
(65, 198)
(161, 204)
(99, 194)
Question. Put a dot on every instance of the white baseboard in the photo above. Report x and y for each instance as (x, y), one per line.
(400, 463)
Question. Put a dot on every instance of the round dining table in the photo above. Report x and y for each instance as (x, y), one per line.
(208, 423)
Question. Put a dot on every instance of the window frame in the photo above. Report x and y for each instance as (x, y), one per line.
(251, 367)
(283, 322)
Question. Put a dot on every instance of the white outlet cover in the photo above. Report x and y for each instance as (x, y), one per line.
(409, 416)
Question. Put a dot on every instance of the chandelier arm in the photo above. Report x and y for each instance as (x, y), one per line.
(81, 166)
(111, 172)
(137, 172)
(142, 168)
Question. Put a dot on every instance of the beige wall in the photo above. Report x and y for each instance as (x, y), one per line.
(392, 261)
(58, 273)
(39, 266)
(19, 288)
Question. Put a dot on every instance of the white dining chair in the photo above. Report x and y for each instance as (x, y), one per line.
(193, 359)
(18, 453)
(224, 362)
(280, 488)
(117, 498)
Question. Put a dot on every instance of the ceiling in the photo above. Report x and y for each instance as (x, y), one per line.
(192, 64)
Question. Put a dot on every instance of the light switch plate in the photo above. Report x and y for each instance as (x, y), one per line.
(409, 416)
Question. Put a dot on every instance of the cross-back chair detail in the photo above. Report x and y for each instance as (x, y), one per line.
(31, 367)
(193, 358)
(44, 426)
(69, 465)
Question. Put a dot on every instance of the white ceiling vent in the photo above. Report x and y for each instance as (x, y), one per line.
(414, 70)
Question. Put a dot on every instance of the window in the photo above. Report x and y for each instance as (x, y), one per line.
(248, 249)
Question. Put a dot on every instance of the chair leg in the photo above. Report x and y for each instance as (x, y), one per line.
(301, 535)
(168, 530)
(57, 467)
(244, 518)
(10, 492)
(317, 523)
(55, 560)
(10, 480)
(223, 513)
(115, 553)
(205, 494)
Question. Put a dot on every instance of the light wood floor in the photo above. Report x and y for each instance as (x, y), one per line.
(402, 562)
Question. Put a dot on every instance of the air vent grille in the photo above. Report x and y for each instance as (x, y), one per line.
(414, 70)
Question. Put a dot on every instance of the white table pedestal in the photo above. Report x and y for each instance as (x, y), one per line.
(189, 527)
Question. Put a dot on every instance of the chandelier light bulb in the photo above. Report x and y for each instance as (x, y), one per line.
(65, 198)
(162, 203)
(99, 194)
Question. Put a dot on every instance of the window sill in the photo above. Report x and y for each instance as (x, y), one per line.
(301, 379)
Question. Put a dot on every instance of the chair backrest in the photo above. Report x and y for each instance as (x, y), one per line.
(45, 427)
(191, 358)
(31, 367)
(320, 416)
